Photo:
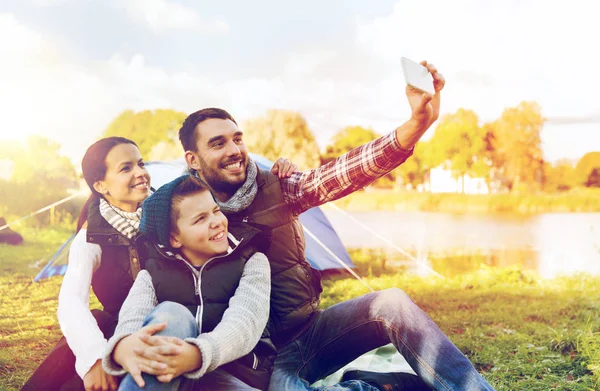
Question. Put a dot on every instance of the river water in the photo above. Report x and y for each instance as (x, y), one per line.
(550, 244)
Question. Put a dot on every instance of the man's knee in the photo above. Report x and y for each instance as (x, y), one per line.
(391, 299)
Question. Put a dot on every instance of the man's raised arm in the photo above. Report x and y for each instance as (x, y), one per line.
(362, 165)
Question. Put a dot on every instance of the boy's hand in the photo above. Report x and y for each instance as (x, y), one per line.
(176, 355)
(283, 168)
(126, 354)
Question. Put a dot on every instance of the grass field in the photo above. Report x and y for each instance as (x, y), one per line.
(521, 332)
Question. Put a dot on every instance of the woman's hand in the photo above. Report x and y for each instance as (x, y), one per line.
(98, 380)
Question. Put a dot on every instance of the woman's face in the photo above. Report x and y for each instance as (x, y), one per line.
(126, 183)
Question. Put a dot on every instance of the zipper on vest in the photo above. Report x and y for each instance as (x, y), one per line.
(197, 274)
(255, 362)
(198, 297)
(264, 212)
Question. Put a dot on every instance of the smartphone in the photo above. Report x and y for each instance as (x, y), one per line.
(417, 76)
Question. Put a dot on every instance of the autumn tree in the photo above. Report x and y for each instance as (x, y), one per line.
(459, 142)
(40, 176)
(347, 139)
(559, 176)
(282, 133)
(414, 171)
(517, 145)
(154, 131)
(585, 168)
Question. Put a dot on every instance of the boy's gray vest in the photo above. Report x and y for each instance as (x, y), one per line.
(295, 286)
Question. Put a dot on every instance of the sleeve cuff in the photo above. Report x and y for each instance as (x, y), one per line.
(109, 365)
(83, 367)
(209, 360)
(395, 144)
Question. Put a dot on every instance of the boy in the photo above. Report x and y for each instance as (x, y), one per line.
(210, 286)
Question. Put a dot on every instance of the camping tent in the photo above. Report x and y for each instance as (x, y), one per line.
(324, 249)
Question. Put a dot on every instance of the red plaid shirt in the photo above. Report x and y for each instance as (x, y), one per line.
(344, 175)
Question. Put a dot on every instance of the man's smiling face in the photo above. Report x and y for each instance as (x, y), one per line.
(221, 157)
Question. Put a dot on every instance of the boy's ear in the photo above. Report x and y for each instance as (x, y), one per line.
(174, 242)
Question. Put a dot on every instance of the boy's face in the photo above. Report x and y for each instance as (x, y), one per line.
(202, 228)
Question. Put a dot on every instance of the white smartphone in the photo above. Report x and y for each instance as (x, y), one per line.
(417, 76)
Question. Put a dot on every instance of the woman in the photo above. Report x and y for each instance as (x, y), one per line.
(106, 254)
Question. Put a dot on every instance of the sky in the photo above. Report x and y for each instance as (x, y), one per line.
(69, 67)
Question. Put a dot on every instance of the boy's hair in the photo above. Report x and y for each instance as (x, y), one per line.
(190, 185)
(160, 211)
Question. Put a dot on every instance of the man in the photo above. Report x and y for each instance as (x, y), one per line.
(313, 344)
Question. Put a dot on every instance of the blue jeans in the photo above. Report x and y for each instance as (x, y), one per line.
(181, 324)
(349, 329)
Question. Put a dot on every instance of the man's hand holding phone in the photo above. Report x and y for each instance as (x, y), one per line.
(424, 84)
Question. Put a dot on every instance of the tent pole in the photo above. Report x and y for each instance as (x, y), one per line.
(384, 239)
(44, 209)
(337, 259)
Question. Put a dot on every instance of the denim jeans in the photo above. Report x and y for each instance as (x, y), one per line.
(349, 329)
(181, 324)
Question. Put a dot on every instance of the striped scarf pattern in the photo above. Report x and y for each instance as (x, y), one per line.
(127, 223)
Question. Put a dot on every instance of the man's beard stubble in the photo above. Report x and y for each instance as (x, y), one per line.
(218, 182)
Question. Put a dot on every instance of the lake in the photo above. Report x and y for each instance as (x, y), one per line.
(551, 244)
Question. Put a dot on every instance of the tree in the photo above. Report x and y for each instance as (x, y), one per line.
(585, 167)
(594, 178)
(415, 170)
(559, 176)
(517, 145)
(460, 142)
(347, 139)
(148, 129)
(282, 133)
(40, 176)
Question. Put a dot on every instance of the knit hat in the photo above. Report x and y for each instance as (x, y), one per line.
(156, 213)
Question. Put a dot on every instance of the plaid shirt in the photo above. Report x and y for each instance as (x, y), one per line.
(344, 175)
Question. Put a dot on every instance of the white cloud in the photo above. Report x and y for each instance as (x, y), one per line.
(497, 53)
(163, 15)
(489, 65)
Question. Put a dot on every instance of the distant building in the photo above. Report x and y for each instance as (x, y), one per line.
(6, 169)
(442, 181)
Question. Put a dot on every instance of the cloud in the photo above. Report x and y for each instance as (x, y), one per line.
(497, 53)
(489, 65)
(161, 15)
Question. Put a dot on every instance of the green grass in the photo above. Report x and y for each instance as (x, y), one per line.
(521, 332)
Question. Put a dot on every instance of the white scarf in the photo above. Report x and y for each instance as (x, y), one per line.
(127, 223)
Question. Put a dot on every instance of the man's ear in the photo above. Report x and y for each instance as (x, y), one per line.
(174, 241)
(191, 158)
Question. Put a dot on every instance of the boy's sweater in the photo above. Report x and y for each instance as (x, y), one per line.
(228, 341)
